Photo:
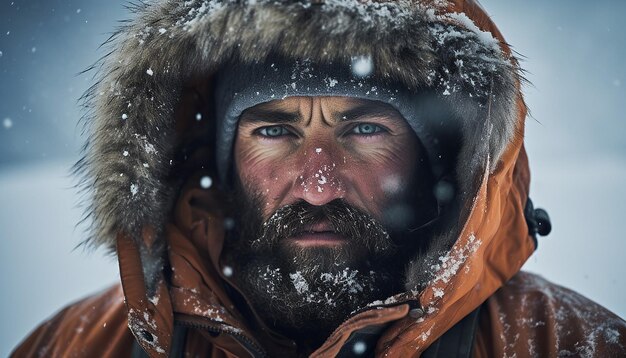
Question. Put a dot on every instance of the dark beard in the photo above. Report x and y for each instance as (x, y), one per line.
(305, 293)
(365, 236)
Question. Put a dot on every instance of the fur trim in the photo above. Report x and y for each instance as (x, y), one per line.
(130, 122)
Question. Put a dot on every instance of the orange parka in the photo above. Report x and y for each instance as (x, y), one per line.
(150, 116)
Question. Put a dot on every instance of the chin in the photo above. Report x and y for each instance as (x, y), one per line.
(323, 258)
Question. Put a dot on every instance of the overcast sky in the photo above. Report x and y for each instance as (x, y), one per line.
(573, 52)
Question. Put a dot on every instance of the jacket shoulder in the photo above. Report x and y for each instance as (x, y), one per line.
(95, 326)
(532, 316)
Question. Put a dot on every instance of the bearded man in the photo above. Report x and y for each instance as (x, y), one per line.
(337, 178)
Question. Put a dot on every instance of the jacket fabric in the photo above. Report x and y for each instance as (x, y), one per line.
(148, 122)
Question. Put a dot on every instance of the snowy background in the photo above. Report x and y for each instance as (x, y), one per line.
(576, 142)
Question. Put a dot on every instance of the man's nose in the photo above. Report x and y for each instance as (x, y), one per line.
(319, 179)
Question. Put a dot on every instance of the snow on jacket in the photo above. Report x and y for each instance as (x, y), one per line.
(144, 135)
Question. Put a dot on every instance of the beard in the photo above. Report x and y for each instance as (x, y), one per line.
(306, 292)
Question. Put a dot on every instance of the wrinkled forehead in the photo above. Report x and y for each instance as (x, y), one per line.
(333, 108)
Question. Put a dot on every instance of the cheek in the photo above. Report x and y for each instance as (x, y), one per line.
(396, 160)
(261, 174)
(384, 174)
(379, 185)
(252, 165)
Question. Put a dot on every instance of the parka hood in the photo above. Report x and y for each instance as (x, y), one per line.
(140, 124)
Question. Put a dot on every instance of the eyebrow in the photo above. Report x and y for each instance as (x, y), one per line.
(372, 110)
(270, 116)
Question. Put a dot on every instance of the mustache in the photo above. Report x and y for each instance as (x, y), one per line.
(358, 227)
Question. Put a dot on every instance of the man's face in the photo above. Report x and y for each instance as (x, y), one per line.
(319, 149)
(328, 189)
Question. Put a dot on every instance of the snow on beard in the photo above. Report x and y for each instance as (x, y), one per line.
(367, 240)
(296, 285)
(364, 235)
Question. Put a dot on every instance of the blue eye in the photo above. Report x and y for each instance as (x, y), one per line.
(367, 129)
(273, 131)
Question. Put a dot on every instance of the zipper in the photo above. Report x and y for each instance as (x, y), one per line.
(217, 327)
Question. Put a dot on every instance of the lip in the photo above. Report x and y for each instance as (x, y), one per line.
(324, 238)
(321, 233)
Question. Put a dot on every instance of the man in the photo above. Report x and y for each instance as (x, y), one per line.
(336, 178)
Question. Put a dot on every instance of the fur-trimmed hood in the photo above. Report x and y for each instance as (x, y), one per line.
(131, 135)
(140, 123)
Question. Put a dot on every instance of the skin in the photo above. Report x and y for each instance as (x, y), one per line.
(319, 149)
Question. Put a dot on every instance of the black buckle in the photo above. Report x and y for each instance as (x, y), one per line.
(538, 221)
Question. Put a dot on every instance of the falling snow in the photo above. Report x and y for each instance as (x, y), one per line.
(361, 69)
(359, 348)
(391, 184)
(229, 223)
(227, 271)
(362, 66)
(206, 182)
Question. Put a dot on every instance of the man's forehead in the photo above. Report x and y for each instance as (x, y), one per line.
(292, 109)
